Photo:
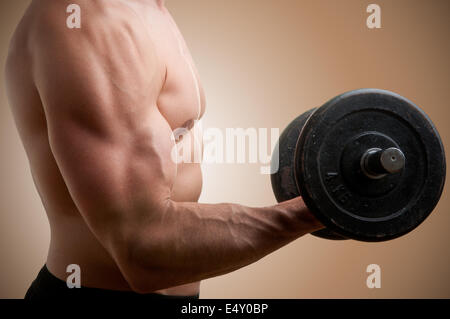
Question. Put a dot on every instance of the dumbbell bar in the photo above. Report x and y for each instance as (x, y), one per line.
(369, 165)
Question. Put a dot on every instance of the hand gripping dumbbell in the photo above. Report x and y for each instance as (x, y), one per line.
(369, 164)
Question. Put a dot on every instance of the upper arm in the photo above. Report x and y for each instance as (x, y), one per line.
(99, 86)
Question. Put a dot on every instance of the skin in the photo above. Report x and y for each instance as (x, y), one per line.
(96, 108)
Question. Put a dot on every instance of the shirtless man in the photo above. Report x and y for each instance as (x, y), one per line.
(96, 108)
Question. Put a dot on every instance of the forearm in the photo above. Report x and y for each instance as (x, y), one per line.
(191, 241)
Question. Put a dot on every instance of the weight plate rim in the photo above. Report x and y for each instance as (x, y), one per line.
(326, 233)
(276, 177)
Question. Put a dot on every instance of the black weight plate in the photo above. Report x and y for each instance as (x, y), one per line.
(368, 209)
(326, 233)
(283, 179)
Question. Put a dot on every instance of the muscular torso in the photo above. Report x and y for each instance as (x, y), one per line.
(181, 102)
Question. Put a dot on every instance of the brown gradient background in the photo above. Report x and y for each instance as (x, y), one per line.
(262, 63)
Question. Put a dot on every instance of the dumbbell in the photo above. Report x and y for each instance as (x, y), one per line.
(369, 164)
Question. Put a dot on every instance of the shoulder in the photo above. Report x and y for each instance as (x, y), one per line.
(109, 37)
(87, 19)
(101, 25)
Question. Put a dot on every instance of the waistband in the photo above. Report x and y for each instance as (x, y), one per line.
(47, 286)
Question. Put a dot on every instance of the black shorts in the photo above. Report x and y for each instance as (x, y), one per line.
(48, 287)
